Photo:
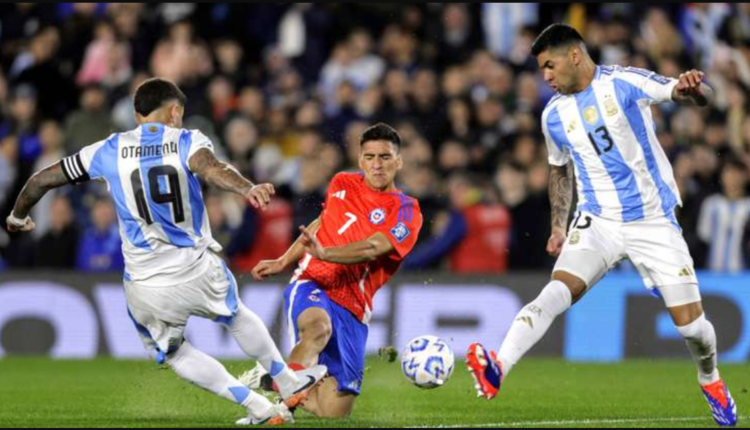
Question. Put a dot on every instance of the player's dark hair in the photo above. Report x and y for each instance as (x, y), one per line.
(381, 131)
(555, 36)
(153, 93)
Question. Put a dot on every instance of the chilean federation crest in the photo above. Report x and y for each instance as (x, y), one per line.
(377, 217)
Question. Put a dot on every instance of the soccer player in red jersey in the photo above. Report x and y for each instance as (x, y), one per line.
(366, 230)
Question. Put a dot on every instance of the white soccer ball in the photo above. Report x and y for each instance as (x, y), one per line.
(428, 362)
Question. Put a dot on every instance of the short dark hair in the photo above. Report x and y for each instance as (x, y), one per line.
(153, 93)
(555, 36)
(381, 131)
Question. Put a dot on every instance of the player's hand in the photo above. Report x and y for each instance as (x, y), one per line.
(556, 243)
(260, 195)
(266, 269)
(689, 84)
(14, 227)
(312, 244)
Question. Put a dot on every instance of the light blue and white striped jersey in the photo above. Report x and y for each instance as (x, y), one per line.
(722, 226)
(162, 216)
(608, 132)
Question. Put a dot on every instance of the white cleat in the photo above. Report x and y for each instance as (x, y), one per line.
(308, 379)
(278, 416)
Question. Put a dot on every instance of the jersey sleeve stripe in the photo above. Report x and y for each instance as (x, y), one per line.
(64, 165)
(73, 169)
(74, 166)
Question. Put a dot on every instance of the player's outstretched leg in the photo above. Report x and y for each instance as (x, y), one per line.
(207, 373)
(527, 330)
(255, 340)
(700, 337)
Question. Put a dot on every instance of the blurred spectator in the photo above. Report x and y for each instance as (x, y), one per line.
(475, 238)
(459, 35)
(503, 23)
(59, 247)
(263, 235)
(40, 68)
(8, 155)
(531, 223)
(100, 248)
(241, 139)
(23, 123)
(295, 86)
(42, 48)
(89, 124)
(217, 217)
(353, 62)
(51, 139)
(724, 220)
(304, 38)
(123, 114)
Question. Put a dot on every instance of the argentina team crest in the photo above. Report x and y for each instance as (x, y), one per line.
(591, 115)
(377, 217)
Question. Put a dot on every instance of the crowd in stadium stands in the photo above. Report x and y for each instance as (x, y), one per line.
(286, 90)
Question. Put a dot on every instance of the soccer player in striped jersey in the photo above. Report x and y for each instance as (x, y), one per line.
(173, 271)
(599, 124)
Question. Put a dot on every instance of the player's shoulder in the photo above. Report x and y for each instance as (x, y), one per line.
(348, 179)
(625, 72)
(405, 203)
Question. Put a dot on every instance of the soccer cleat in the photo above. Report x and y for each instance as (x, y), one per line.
(257, 379)
(486, 370)
(723, 407)
(308, 379)
(278, 416)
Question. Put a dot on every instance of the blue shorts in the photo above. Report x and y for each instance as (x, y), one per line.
(345, 353)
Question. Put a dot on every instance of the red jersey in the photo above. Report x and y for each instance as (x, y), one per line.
(353, 212)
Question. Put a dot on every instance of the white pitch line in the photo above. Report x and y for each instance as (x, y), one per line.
(573, 423)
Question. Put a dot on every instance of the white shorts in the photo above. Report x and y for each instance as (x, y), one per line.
(161, 313)
(656, 248)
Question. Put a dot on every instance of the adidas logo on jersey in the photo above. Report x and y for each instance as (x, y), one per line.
(340, 195)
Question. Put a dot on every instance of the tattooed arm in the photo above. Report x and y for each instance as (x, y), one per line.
(50, 178)
(227, 178)
(561, 198)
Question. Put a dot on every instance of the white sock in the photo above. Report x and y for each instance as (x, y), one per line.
(700, 337)
(255, 340)
(532, 323)
(204, 371)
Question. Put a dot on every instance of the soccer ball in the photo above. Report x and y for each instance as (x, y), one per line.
(427, 362)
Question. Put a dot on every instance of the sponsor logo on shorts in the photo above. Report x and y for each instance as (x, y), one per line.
(686, 273)
(313, 298)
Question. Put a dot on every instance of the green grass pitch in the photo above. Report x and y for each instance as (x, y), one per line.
(540, 393)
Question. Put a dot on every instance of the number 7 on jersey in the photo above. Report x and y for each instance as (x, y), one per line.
(349, 224)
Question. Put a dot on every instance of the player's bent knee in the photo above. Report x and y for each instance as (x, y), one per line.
(687, 314)
(319, 332)
(576, 285)
(315, 326)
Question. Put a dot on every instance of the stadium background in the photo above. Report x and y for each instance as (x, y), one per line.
(285, 91)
